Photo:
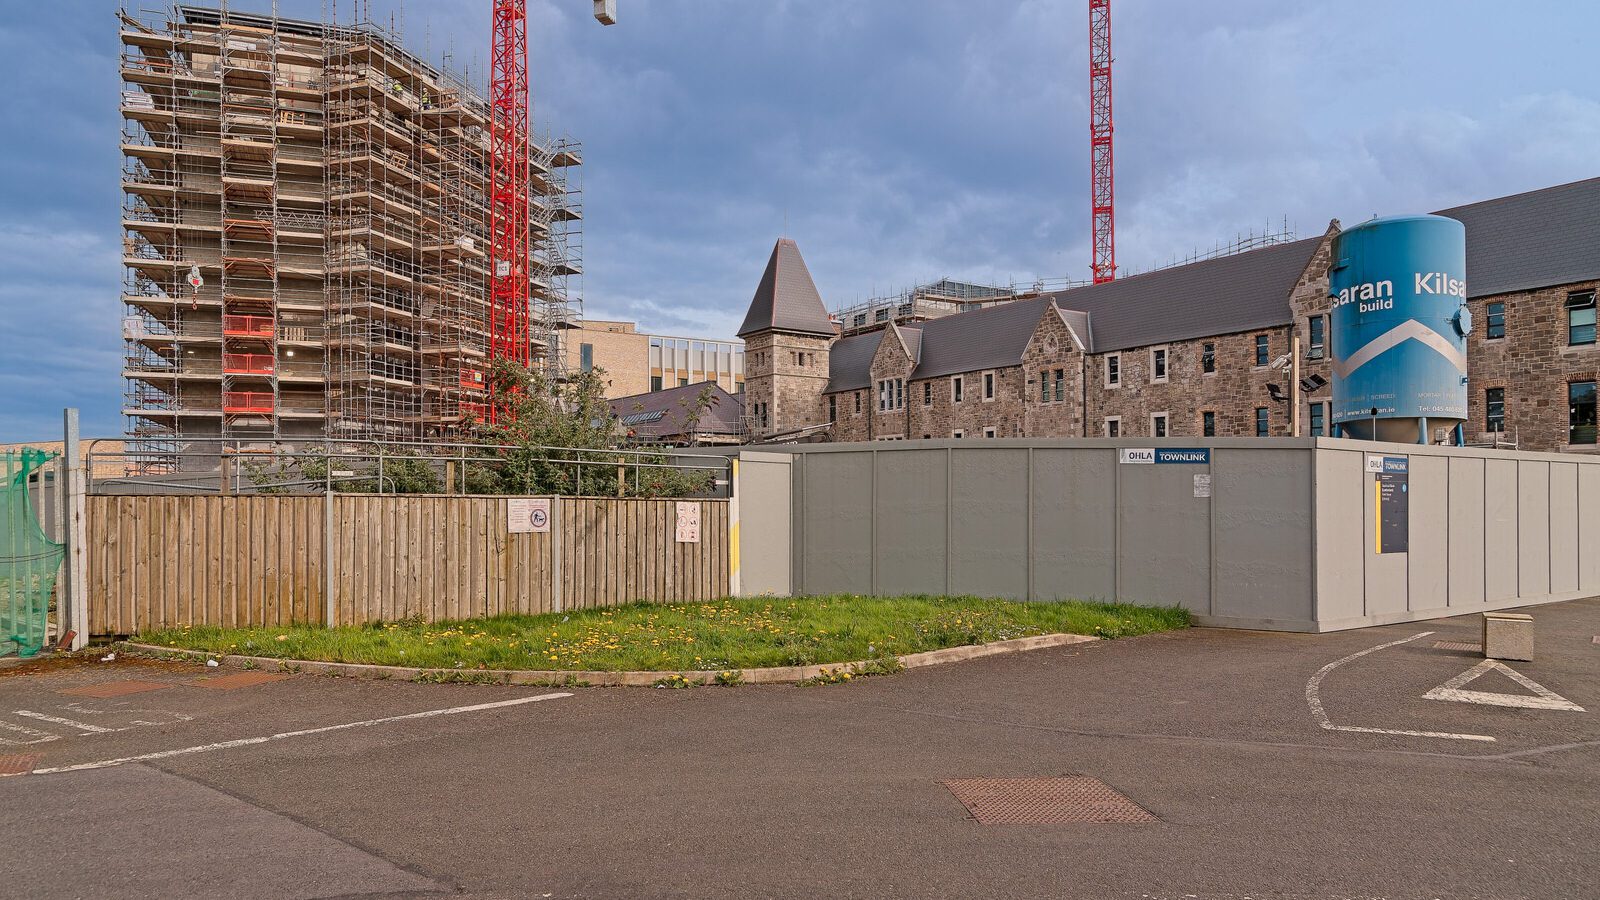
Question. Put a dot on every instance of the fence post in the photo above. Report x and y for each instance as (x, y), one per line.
(328, 549)
(75, 565)
(449, 476)
(558, 523)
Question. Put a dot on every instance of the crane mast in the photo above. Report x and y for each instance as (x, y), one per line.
(1102, 192)
(508, 189)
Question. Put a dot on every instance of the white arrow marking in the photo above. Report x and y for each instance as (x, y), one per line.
(1546, 699)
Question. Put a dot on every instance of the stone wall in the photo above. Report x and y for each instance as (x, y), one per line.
(1533, 363)
(788, 372)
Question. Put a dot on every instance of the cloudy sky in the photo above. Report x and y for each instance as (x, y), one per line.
(897, 140)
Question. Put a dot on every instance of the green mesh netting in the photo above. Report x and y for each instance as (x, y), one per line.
(29, 561)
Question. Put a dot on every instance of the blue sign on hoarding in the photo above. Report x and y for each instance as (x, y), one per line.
(1193, 456)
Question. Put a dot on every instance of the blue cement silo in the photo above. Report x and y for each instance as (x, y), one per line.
(1399, 292)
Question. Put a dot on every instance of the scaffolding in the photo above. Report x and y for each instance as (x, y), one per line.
(305, 234)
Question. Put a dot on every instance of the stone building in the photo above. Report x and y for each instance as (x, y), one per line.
(1189, 350)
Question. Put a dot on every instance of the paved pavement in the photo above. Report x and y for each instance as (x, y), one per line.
(321, 787)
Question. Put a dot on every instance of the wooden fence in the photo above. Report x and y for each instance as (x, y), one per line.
(159, 561)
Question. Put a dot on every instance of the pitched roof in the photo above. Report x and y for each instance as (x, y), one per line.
(661, 414)
(1525, 241)
(990, 338)
(787, 298)
(1214, 296)
(850, 361)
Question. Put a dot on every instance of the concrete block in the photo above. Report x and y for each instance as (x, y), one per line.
(1507, 636)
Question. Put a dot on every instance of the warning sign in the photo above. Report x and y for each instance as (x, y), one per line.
(688, 522)
(527, 514)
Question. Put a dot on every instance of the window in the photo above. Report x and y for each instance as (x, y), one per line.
(1319, 419)
(655, 382)
(881, 315)
(1113, 370)
(1263, 421)
(958, 433)
(1061, 385)
(989, 432)
(761, 414)
(1158, 425)
(988, 386)
(1263, 350)
(1208, 423)
(1113, 427)
(1208, 359)
(1044, 386)
(955, 389)
(860, 320)
(1158, 364)
(1318, 332)
(683, 381)
(883, 388)
(927, 393)
(1581, 397)
(1494, 410)
(1580, 318)
(858, 403)
(833, 408)
(586, 356)
(1495, 327)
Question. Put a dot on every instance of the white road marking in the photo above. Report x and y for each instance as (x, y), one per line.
(81, 726)
(246, 742)
(39, 737)
(1546, 699)
(1314, 700)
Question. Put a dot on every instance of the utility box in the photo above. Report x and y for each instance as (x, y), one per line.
(1507, 636)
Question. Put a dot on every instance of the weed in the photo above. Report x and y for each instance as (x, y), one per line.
(729, 677)
(673, 682)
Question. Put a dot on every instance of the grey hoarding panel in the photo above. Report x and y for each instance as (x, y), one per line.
(1466, 532)
(1500, 530)
(1164, 543)
(1563, 528)
(911, 522)
(1386, 572)
(1589, 529)
(1262, 534)
(1533, 528)
(836, 509)
(1341, 529)
(1428, 571)
(1074, 543)
(989, 521)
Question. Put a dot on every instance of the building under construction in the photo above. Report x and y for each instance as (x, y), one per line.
(306, 234)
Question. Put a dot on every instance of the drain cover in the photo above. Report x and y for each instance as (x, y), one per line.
(1045, 801)
(1463, 646)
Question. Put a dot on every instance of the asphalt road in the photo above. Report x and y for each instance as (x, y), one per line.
(829, 791)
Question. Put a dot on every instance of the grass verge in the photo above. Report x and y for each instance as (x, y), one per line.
(714, 636)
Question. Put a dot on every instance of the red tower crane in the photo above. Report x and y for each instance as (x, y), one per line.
(509, 245)
(1102, 192)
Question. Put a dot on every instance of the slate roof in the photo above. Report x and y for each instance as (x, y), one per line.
(990, 338)
(1533, 240)
(787, 298)
(850, 361)
(660, 414)
(1225, 295)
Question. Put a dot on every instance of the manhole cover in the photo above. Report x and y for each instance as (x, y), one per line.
(1463, 646)
(17, 763)
(111, 689)
(243, 679)
(1045, 801)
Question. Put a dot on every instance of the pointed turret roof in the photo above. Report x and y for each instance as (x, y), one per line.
(787, 298)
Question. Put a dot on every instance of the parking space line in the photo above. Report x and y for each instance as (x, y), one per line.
(246, 742)
(39, 737)
(81, 726)
(1314, 700)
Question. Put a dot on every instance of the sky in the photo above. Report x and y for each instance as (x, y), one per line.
(898, 141)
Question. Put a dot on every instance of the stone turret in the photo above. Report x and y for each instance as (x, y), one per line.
(786, 335)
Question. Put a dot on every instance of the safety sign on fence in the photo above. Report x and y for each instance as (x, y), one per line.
(527, 514)
(688, 521)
